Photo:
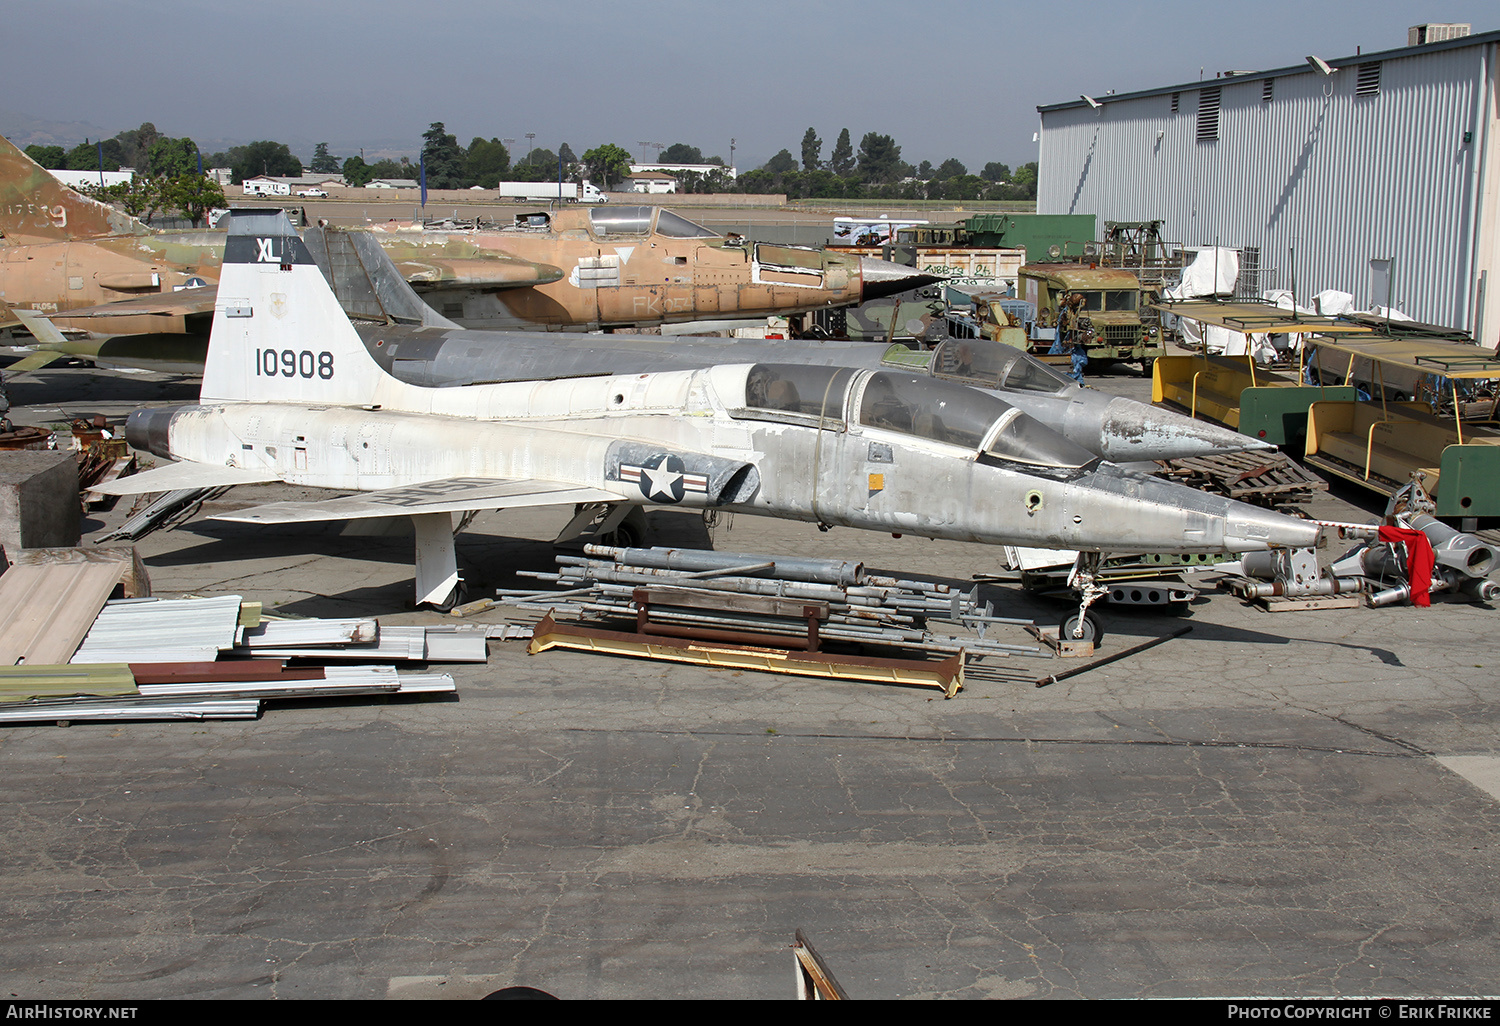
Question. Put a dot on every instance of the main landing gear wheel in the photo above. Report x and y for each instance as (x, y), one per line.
(1072, 628)
(631, 532)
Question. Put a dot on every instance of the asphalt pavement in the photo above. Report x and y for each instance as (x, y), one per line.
(1275, 804)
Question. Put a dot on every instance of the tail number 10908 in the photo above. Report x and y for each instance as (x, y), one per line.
(290, 363)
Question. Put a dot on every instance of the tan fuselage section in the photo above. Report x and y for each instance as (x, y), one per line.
(642, 279)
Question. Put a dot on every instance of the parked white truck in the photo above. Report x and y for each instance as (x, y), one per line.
(526, 192)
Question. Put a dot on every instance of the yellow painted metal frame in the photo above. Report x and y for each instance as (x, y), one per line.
(946, 675)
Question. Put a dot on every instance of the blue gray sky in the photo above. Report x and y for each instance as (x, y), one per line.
(945, 78)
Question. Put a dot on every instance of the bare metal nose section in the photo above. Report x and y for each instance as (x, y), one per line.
(884, 278)
(1130, 512)
(1134, 431)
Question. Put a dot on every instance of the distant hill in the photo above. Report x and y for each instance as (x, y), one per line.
(25, 130)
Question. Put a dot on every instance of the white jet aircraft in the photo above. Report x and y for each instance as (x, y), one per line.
(291, 394)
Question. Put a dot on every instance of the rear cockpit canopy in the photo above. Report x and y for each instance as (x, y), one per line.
(611, 221)
(996, 365)
(917, 406)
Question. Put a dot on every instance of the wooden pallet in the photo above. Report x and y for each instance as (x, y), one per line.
(1263, 478)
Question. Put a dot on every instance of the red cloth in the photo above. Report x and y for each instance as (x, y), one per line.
(1419, 561)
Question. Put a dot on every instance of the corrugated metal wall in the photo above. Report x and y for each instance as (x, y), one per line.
(1340, 178)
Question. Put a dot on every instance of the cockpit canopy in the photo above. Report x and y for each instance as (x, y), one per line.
(612, 220)
(919, 406)
(995, 365)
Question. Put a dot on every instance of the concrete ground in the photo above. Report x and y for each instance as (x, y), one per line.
(1275, 804)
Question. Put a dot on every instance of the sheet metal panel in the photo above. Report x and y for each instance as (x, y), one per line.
(1343, 179)
(46, 610)
(162, 630)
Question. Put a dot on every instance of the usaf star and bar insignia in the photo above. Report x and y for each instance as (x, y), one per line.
(664, 478)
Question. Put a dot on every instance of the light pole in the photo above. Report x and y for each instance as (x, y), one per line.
(529, 136)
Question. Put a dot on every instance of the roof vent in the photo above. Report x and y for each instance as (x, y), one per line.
(1421, 35)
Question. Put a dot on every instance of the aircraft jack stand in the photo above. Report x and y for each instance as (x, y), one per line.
(1062, 647)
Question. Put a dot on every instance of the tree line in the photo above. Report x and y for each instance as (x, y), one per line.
(168, 172)
(874, 171)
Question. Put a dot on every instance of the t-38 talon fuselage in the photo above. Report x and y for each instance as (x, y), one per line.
(291, 394)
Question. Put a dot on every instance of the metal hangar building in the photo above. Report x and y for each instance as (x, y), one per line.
(1376, 174)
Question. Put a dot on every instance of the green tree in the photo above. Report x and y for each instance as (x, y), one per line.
(402, 168)
(170, 158)
(264, 158)
(1026, 176)
(323, 163)
(356, 172)
(139, 197)
(85, 157)
(681, 153)
(879, 158)
(924, 170)
(951, 168)
(566, 154)
(781, 163)
(444, 159)
(605, 165)
(192, 194)
(812, 150)
(995, 172)
(842, 160)
(135, 146)
(544, 159)
(48, 156)
(487, 163)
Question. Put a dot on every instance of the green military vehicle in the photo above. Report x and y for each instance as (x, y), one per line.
(1114, 314)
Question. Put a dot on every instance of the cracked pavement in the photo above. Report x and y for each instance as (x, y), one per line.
(1274, 804)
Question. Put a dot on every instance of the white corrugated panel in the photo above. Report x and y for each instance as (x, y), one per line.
(1341, 178)
(297, 633)
(162, 631)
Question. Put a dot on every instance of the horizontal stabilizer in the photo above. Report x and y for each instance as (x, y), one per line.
(184, 475)
(447, 496)
(34, 361)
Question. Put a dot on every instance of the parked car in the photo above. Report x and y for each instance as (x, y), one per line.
(313, 193)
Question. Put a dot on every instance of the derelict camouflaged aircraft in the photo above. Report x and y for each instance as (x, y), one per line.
(60, 251)
(635, 266)
(65, 254)
(420, 347)
(291, 394)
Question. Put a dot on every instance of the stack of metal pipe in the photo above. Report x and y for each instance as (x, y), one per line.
(861, 607)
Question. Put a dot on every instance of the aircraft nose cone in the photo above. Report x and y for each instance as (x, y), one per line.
(1250, 529)
(880, 278)
(1136, 431)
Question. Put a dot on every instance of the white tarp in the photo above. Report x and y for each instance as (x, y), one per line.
(1333, 303)
(1213, 272)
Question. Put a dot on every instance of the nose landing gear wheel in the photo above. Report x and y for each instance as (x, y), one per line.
(1072, 628)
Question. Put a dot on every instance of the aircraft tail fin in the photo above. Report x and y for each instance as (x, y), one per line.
(365, 280)
(35, 206)
(279, 333)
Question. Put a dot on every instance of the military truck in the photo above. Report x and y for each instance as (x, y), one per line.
(1111, 314)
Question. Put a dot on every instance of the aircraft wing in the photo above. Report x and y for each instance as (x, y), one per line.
(445, 496)
(182, 303)
(184, 475)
